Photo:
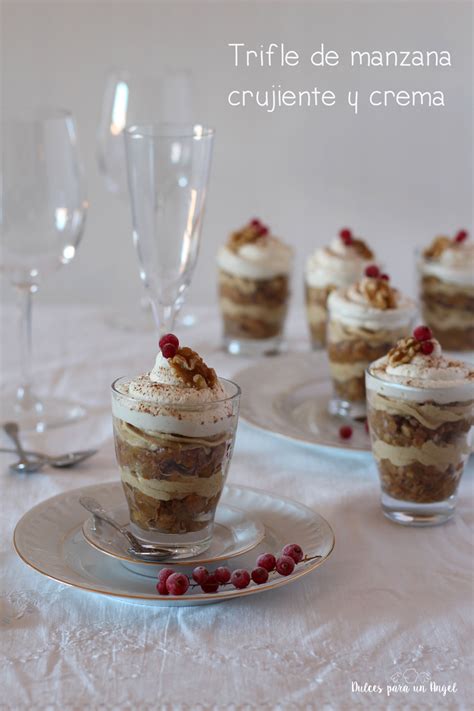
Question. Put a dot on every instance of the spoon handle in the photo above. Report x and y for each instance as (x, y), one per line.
(92, 505)
(11, 429)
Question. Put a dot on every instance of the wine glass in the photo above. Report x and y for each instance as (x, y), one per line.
(128, 99)
(168, 171)
(42, 216)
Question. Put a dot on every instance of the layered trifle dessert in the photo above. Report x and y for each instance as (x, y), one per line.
(365, 320)
(335, 266)
(420, 410)
(174, 431)
(254, 288)
(447, 290)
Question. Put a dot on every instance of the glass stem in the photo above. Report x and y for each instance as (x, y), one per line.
(25, 299)
(164, 315)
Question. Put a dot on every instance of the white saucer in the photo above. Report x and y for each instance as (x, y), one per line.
(290, 399)
(49, 539)
(235, 533)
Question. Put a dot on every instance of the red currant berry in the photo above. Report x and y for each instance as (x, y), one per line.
(385, 277)
(222, 575)
(161, 587)
(422, 333)
(165, 573)
(267, 561)
(169, 350)
(210, 585)
(346, 236)
(177, 584)
(263, 231)
(345, 432)
(427, 347)
(293, 550)
(200, 574)
(255, 222)
(285, 565)
(169, 338)
(259, 575)
(461, 236)
(240, 578)
(372, 271)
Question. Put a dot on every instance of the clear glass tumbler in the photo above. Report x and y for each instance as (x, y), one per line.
(421, 440)
(351, 348)
(447, 303)
(174, 459)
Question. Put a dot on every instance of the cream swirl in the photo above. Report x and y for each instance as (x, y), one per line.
(338, 265)
(438, 377)
(352, 307)
(264, 259)
(160, 401)
(454, 265)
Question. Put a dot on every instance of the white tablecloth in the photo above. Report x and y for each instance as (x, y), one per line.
(392, 603)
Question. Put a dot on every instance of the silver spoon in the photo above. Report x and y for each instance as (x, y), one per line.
(33, 461)
(24, 464)
(61, 461)
(137, 549)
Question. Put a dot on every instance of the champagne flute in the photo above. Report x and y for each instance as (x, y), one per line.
(168, 171)
(129, 98)
(42, 216)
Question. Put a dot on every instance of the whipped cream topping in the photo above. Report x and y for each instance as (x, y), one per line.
(352, 307)
(163, 384)
(436, 376)
(337, 265)
(264, 259)
(454, 265)
(160, 401)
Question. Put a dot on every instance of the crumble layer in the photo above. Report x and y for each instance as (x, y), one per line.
(179, 488)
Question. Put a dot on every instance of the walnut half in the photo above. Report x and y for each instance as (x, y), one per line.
(437, 247)
(361, 248)
(250, 234)
(379, 293)
(191, 369)
(404, 351)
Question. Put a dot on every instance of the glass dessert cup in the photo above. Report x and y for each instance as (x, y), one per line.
(253, 313)
(337, 265)
(317, 313)
(421, 440)
(448, 309)
(174, 465)
(351, 349)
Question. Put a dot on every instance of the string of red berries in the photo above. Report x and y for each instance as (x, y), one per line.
(169, 345)
(173, 583)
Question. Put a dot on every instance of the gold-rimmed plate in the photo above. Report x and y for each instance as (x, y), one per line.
(235, 533)
(49, 539)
